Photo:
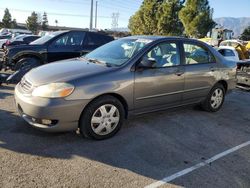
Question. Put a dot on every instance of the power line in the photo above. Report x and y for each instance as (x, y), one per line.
(54, 13)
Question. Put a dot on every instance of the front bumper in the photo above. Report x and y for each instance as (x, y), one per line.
(243, 79)
(243, 82)
(65, 114)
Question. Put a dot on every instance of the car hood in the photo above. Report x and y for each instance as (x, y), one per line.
(25, 47)
(64, 71)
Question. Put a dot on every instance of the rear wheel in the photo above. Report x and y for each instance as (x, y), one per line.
(215, 99)
(27, 63)
(102, 118)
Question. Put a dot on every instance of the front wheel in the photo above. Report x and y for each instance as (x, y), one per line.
(215, 99)
(102, 118)
(27, 63)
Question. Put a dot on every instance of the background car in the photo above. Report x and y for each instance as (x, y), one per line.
(4, 39)
(229, 53)
(49, 48)
(21, 39)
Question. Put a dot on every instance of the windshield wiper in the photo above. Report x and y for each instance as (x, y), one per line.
(96, 61)
(99, 62)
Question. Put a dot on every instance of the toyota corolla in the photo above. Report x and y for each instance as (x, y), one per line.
(126, 77)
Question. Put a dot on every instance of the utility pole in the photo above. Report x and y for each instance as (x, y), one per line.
(91, 15)
(96, 4)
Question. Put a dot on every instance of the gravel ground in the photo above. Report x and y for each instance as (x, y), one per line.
(147, 149)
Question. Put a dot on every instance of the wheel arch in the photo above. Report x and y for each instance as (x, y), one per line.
(224, 84)
(28, 55)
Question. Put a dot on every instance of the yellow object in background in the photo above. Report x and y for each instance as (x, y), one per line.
(206, 40)
(248, 45)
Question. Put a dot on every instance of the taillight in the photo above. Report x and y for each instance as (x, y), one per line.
(7, 43)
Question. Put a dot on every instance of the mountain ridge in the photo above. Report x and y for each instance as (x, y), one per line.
(236, 24)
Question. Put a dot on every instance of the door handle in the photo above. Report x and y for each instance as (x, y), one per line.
(212, 69)
(179, 73)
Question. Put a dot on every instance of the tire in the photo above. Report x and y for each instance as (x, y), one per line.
(29, 63)
(102, 118)
(215, 99)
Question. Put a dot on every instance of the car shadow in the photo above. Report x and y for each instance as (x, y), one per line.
(151, 145)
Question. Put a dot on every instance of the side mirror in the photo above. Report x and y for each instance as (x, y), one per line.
(147, 63)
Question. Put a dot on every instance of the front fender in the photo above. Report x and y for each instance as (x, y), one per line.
(27, 53)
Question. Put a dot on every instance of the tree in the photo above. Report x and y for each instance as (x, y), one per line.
(32, 22)
(168, 18)
(157, 17)
(246, 34)
(196, 17)
(144, 21)
(45, 22)
(14, 24)
(6, 19)
(136, 23)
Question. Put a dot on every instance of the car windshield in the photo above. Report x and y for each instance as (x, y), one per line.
(117, 52)
(46, 38)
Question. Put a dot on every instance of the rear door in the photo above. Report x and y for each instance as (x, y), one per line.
(67, 46)
(160, 86)
(200, 71)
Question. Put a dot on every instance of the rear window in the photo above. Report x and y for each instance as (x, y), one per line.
(94, 39)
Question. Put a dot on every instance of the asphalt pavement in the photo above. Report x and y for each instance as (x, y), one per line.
(148, 149)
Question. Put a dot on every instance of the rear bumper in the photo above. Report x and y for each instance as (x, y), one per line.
(64, 114)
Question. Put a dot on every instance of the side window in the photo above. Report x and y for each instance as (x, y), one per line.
(70, 39)
(96, 39)
(195, 54)
(165, 55)
(76, 39)
(62, 41)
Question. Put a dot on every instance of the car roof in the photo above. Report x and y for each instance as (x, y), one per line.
(155, 38)
(79, 30)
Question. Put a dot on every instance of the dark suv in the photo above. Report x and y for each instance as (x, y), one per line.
(53, 47)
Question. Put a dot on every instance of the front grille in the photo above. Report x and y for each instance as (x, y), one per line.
(25, 85)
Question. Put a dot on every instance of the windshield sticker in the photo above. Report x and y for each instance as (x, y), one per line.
(146, 41)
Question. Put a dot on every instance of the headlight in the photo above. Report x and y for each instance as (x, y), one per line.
(53, 90)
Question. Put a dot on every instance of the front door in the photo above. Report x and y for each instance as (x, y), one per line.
(67, 46)
(161, 85)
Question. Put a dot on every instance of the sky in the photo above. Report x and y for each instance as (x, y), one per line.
(75, 13)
